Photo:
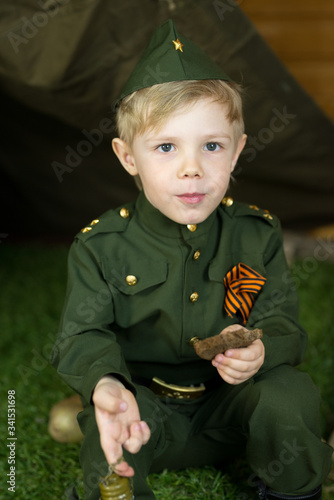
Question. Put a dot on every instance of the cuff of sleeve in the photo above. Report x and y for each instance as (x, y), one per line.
(95, 373)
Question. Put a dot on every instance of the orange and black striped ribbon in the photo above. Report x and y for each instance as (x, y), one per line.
(242, 283)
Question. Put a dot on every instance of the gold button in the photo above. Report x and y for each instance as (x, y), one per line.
(227, 201)
(86, 229)
(95, 221)
(131, 280)
(268, 216)
(254, 207)
(193, 340)
(192, 227)
(124, 212)
(196, 255)
(194, 297)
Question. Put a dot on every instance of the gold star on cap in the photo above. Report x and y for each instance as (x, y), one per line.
(178, 45)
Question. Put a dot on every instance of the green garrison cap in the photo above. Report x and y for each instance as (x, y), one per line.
(171, 57)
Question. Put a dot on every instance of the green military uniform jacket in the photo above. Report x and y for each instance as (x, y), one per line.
(141, 286)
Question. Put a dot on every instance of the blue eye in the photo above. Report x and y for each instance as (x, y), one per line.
(211, 146)
(166, 148)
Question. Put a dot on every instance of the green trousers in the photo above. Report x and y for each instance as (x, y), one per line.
(274, 418)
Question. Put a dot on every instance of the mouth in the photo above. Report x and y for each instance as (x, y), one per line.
(191, 198)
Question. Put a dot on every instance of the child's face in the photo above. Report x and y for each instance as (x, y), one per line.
(185, 166)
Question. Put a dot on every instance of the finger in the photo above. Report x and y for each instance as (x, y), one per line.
(111, 444)
(242, 372)
(255, 349)
(112, 435)
(134, 442)
(244, 353)
(139, 435)
(146, 431)
(124, 469)
(238, 367)
(223, 363)
(109, 403)
(111, 449)
(230, 373)
(231, 380)
(250, 353)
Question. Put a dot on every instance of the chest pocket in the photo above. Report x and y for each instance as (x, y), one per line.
(134, 278)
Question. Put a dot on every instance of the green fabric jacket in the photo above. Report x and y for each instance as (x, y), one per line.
(144, 328)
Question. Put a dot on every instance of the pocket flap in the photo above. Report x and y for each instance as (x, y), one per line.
(135, 277)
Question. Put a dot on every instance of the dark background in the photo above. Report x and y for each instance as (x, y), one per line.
(63, 62)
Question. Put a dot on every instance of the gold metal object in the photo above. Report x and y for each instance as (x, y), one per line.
(178, 45)
(227, 201)
(192, 227)
(131, 280)
(161, 388)
(124, 212)
(196, 255)
(194, 297)
(193, 340)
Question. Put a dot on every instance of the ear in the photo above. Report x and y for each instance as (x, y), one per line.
(123, 152)
(238, 150)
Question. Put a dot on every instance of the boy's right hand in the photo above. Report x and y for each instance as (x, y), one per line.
(118, 420)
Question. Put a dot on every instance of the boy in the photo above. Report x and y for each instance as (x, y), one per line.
(146, 280)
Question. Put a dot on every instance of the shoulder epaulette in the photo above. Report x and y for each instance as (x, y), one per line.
(113, 221)
(238, 209)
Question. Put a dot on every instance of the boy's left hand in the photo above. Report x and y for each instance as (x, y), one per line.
(238, 365)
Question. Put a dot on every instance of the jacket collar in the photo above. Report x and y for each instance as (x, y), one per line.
(154, 221)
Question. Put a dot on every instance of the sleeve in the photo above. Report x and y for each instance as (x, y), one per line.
(276, 310)
(86, 348)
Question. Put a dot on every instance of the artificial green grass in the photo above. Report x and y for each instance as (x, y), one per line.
(33, 280)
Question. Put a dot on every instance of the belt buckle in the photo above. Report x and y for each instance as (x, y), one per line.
(161, 388)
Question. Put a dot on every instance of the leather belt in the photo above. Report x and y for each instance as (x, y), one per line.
(161, 388)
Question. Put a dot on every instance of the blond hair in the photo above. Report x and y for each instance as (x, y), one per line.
(149, 108)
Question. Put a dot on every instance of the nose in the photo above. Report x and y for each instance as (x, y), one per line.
(190, 167)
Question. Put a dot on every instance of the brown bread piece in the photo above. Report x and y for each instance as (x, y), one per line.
(232, 337)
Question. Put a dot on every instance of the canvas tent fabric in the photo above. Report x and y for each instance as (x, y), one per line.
(64, 62)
